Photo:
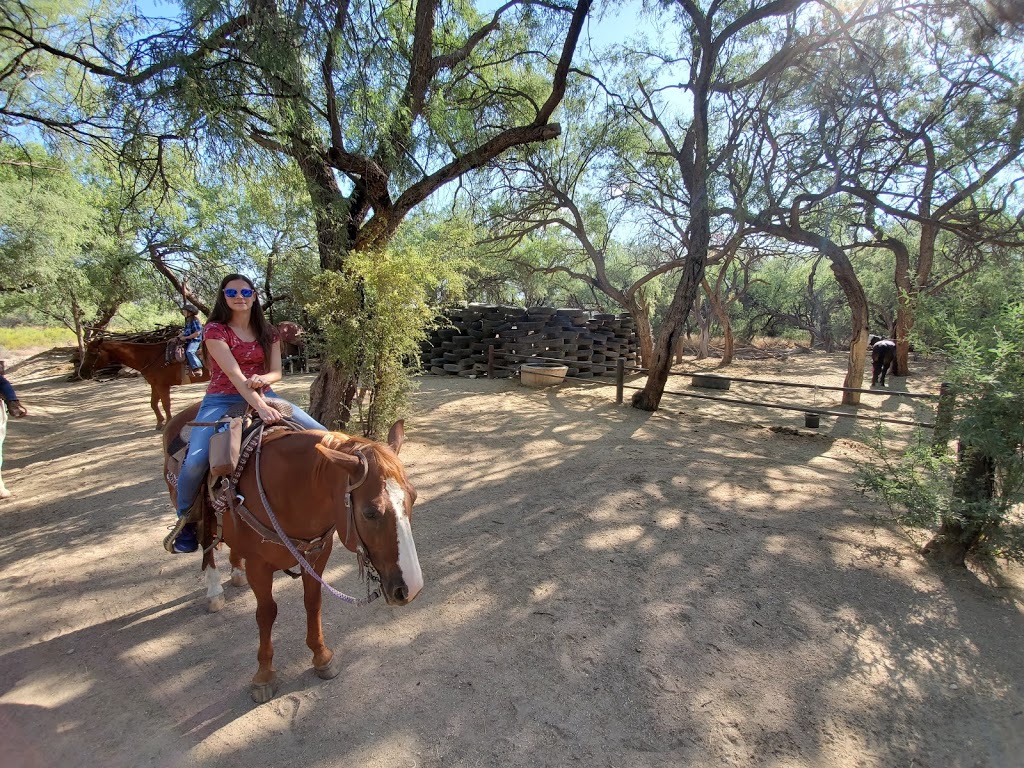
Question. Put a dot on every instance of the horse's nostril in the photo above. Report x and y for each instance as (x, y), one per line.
(402, 593)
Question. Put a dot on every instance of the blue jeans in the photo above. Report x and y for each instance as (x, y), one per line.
(192, 354)
(197, 460)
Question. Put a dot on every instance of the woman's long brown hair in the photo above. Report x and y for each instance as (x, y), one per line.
(257, 322)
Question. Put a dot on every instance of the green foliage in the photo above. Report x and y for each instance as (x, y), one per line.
(376, 314)
(924, 489)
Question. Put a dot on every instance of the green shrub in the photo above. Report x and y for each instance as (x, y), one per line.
(971, 499)
(375, 315)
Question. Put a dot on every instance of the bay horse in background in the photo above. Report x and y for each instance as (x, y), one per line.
(315, 483)
(883, 355)
(149, 359)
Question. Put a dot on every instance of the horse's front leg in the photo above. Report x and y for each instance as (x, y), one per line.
(237, 569)
(325, 664)
(261, 579)
(214, 589)
(154, 403)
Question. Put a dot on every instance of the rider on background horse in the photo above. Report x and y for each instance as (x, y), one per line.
(244, 356)
(193, 338)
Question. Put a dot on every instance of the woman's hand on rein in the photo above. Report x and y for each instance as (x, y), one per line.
(255, 382)
(269, 415)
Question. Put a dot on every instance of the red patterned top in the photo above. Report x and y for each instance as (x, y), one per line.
(248, 354)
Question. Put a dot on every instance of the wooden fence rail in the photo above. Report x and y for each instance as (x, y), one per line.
(943, 414)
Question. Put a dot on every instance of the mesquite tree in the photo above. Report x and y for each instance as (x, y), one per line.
(377, 105)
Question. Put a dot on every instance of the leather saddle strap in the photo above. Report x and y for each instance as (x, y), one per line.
(305, 546)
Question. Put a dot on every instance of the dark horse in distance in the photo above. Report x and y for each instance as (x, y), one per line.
(883, 355)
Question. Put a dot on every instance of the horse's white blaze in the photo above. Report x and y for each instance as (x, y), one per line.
(213, 585)
(408, 562)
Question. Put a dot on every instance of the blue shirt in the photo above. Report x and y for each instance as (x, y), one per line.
(194, 326)
(6, 390)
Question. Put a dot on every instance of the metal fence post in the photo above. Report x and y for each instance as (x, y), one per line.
(620, 379)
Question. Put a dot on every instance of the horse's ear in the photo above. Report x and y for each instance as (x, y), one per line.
(396, 435)
(337, 457)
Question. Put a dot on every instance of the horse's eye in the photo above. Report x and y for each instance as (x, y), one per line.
(371, 513)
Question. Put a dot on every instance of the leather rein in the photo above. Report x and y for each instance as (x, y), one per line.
(300, 549)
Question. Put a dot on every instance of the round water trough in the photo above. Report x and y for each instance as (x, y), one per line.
(542, 374)
(710, 381)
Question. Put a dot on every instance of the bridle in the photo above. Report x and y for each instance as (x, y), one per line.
(366, 570)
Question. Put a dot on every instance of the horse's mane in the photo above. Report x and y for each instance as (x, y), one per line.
(387, 459)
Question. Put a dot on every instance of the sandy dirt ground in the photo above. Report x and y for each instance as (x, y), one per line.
(604, 587)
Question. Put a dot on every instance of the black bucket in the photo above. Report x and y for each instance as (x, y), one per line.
(812, 420)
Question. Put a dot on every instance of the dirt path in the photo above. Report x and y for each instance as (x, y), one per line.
(604, 588)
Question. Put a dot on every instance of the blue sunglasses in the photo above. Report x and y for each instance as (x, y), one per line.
(232, 293)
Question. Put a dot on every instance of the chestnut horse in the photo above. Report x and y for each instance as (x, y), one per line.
(147, 359)
(315, 482)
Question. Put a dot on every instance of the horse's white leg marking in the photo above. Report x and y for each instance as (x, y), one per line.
(213, 585)
(214, 590)
(408, 562)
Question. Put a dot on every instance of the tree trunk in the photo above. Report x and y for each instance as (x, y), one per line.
(649, 398)
(704, 325)
(332, 392)
(645, 336)
(718, 307)
(973, 490)
(905, 311)
(906, 299)
(331, 395)
(842, 268)
(855, 297)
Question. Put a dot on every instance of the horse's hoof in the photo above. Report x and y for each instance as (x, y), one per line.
(215, 603)
(158, 428)
(261, 693)
(330, 670)
(238, 578)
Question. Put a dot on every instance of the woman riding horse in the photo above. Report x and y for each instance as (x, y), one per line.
(244, 357)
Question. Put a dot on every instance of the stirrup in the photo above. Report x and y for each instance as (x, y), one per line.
(177, 528)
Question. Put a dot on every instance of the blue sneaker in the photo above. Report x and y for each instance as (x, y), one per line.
(186, 540)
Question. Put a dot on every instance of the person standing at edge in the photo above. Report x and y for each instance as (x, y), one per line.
(15, 409)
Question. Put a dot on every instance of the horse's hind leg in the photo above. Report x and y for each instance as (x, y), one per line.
(883, 368)
(261, 579)
(165, 401)
(325, 664)
(154, 403)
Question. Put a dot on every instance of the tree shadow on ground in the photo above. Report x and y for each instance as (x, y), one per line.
(604, 586)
